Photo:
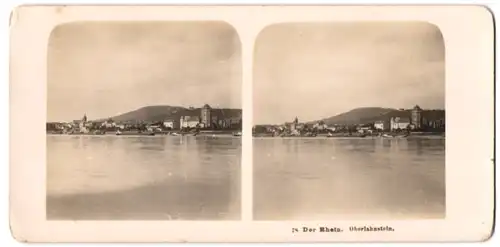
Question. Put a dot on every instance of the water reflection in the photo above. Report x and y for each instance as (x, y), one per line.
(113, 178)
(321, 179)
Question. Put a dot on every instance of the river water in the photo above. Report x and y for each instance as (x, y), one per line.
(337, 179)
(143, 178)
(198, 178)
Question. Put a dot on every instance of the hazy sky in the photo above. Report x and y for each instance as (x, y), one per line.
(314, 71)
(105, 69)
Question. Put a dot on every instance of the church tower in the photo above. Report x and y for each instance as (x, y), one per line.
(294, 124)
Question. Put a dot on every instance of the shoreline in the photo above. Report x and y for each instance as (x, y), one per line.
(434, 137)
(416, 135)
(137, 133)
(225, 133)
(145, 135)
(220, 135)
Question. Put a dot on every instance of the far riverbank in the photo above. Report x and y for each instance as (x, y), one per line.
(433, 135)
(156, 133)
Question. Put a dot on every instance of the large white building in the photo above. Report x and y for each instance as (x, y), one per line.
(400, 123)
(168, 124)
(208, 117)
(171, 123)
(189, 121)
(381, 125)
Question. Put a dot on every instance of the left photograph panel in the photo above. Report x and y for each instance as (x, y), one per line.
(144, 121)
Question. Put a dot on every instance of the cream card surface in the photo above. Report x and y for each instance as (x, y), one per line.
(251, 123)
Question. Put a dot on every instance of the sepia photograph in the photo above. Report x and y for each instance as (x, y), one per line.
(349, 121)
(144, 121)
(206, 124)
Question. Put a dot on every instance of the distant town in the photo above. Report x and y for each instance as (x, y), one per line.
(402, 122)
(192, 121)
(195, 121)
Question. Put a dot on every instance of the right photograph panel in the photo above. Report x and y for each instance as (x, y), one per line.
(349, 121)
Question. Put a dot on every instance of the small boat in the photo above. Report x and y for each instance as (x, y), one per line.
(387, 136)
(237, 134)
